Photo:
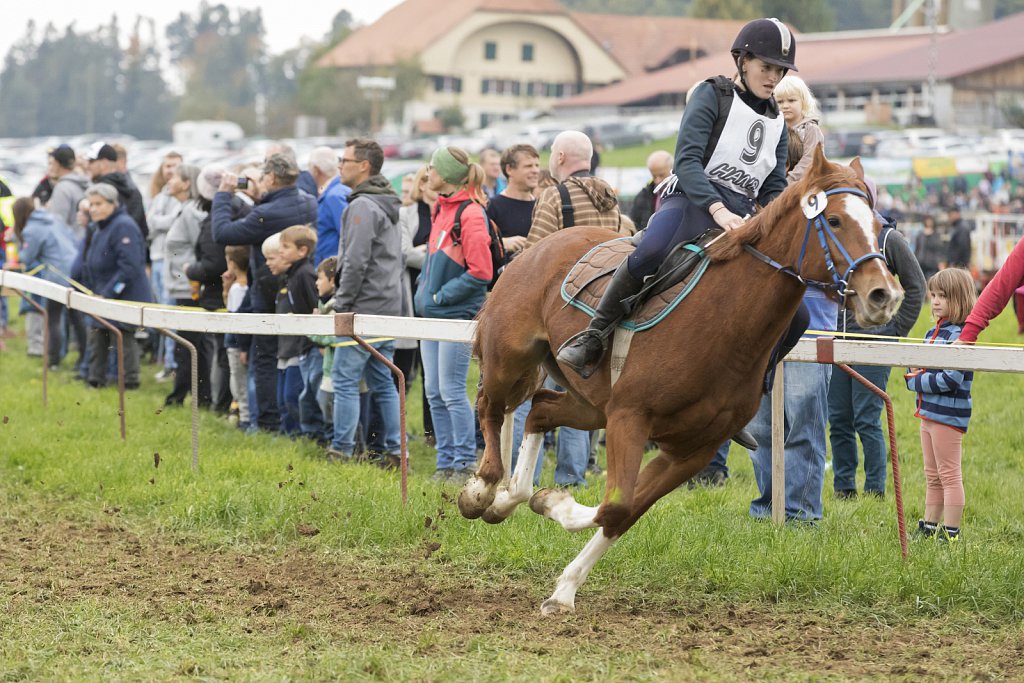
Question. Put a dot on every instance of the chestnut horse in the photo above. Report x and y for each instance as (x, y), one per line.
(687, 384)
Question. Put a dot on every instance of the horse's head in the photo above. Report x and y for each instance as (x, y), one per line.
(823, 230)
(844, 249)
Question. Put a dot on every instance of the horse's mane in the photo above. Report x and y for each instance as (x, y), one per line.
(783, 208)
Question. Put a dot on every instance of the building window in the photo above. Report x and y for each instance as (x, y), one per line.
(447, 84)
(500, 86)
(527, 52)
(490, 50)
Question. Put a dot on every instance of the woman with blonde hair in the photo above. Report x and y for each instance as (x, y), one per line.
(453, 284)
(801, 112)
(164, 207)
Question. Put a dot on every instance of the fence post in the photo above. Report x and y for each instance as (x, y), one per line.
(46, 340)
(779, 445)
(120, 367)
(194, 355)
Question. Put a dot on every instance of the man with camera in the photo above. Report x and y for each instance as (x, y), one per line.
(281, 205)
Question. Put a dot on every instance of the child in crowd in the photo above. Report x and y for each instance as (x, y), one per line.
(236, 278)
(267, 283)
(325, 288)
(800, 110)
(944, 406)
(297, 367)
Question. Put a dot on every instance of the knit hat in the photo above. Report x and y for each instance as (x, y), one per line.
(450, 169)
(209, 180)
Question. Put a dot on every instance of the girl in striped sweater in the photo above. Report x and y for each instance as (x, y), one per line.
(944, 406)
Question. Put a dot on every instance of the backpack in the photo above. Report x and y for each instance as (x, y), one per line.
(498, 256)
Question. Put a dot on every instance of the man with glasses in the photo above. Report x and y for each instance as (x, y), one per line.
(370, 264)
(281, 205)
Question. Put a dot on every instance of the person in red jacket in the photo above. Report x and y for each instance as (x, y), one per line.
(1006, 283)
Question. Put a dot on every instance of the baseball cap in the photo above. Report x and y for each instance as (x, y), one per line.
(63, 155)
(102, 150)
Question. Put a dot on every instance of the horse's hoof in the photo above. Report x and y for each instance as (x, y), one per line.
(551, 607)
(476, 496)
(545, 499)
(492, 516)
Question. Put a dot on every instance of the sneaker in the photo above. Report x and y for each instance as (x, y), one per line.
(594, 469)
(334, 455)
(845, 494)
(926, 529)
(947, 534)
(460, 477)
(390, 461)
(441, 475)
(164, 375)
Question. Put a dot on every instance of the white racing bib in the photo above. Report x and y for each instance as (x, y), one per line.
(745, 154)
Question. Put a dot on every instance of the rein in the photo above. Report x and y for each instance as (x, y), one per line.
(839, 285)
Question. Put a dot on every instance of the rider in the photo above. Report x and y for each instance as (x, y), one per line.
(731, 152)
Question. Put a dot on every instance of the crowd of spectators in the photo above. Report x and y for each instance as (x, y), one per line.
(336, 237)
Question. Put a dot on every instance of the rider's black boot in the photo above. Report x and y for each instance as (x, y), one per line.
(745, 439)
(583, 352)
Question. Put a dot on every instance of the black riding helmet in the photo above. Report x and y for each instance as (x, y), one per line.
(769, 40)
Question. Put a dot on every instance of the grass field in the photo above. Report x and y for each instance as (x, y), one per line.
(270, 564)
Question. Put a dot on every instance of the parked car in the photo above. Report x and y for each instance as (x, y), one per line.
(612, 134)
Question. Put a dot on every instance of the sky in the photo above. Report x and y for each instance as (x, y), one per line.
(286, 21)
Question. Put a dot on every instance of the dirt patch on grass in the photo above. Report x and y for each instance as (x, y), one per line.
(52, 561)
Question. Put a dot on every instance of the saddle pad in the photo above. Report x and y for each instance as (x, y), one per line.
(587, 280)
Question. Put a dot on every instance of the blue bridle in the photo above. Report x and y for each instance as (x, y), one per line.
(839, 285)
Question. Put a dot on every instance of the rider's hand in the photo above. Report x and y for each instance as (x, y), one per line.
(725, 218)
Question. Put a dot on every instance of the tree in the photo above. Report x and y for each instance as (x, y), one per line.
(451, 117)
(224, 60)
(61, 84)
(726, 9)
(803, 15)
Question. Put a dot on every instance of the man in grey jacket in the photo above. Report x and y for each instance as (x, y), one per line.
(68, 189)
(853, 409)
(369, 276)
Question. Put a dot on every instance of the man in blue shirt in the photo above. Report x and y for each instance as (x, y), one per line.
(332, 198)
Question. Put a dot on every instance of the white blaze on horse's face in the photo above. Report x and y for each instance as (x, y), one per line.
(860, 212)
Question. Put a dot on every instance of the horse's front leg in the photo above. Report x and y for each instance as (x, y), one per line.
(479, 491)
(520, 487)
(564, 598)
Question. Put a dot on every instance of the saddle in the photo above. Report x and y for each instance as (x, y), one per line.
(679, 273)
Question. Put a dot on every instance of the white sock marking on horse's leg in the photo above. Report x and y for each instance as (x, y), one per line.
(573, 576)
(520, 488)
(506, 444)
(572, 515)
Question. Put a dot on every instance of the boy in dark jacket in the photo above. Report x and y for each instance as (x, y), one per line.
(297, 359)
